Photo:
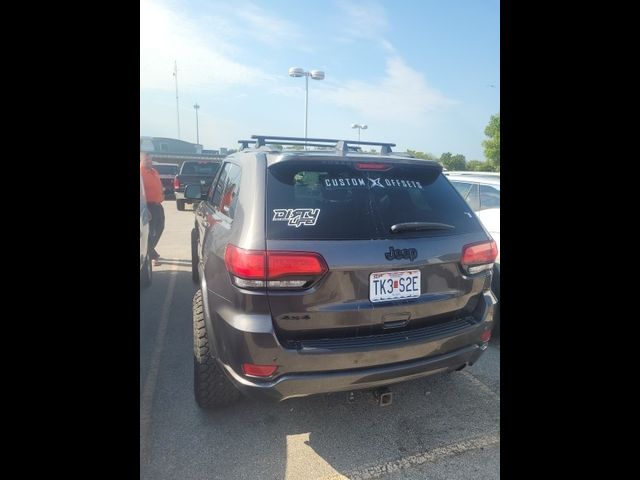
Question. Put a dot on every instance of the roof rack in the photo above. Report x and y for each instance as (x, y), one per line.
(342, 146)
(245, 144)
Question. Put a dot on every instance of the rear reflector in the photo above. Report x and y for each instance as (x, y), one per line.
(479, 256)
(258, 370)
(257, 268)
(373, 166)
(486, 336)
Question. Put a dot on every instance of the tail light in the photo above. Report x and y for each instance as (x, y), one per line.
(273, 269)
(477, 257)
(486, 336)
(176, 183)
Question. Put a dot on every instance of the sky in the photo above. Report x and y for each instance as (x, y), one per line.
(424, 74)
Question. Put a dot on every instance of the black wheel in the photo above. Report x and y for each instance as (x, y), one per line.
(195, 276)
(495, 287)
(180, 205)
(211, 386)
(146, 272)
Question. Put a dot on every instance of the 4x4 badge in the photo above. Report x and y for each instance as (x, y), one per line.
(399, 253)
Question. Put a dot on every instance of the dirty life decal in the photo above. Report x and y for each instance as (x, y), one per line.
(337, 183)
(296, 217)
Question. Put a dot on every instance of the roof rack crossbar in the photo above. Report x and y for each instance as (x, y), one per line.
(245, 144)
(261, 141)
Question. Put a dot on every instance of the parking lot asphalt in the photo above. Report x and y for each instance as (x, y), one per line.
(440, 427)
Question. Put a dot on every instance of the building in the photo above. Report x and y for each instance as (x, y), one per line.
(170, 150)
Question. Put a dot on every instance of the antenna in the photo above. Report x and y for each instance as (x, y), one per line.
(175, 74)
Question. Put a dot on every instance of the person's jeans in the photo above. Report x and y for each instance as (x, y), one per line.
(156, 227)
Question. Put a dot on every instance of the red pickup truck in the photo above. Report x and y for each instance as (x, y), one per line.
(167, 172)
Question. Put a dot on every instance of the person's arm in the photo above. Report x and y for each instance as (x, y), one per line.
(160, 186)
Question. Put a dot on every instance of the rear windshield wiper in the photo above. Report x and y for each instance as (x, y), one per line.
(415, 226)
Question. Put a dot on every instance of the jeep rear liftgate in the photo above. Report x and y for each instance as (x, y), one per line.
(391, 236)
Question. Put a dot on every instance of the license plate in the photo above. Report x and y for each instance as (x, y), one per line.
(384, 286)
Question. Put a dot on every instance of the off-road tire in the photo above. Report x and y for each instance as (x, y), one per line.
(211, 386)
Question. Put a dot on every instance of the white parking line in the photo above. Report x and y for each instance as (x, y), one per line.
(431, 456)
(146, 400)
(480, 384)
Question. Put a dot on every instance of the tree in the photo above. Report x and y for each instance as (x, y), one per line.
(492, 144)
(423, 156)
(453, 162)
(479, 166)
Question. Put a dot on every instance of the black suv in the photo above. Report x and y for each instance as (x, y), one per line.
(199, 173)
(333, 270)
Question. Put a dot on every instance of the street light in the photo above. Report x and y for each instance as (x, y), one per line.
(359, 127)
(316, 75)
(196, 107)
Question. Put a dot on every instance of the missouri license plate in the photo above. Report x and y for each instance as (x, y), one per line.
(385, 286)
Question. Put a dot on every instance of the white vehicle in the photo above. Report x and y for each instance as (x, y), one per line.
(145, 261)
(481, 190)
(490, 218)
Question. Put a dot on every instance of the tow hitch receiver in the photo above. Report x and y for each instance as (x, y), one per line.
(384, 396)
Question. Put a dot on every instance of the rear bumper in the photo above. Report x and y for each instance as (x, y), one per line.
(239, 337)
(304, 384)
(179, 195)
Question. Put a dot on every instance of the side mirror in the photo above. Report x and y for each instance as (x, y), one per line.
(193, 192)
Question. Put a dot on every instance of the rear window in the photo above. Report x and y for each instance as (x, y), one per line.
(326, 200)
(200, 168)
(166, 169)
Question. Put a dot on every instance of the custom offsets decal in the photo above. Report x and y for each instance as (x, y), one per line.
(334, 183)
(296, 217)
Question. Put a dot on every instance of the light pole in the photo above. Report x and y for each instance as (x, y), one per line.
(316, 75)
(196, 107)
(175, 74)
(359, 127)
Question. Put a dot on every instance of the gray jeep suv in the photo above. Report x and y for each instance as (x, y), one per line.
(333, 270)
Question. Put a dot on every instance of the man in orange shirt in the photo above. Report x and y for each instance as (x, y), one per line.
(155, 197)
